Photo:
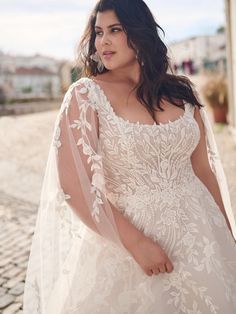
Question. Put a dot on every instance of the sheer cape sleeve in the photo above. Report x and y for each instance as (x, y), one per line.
(217, 168)
(79, 164)
(73, 199)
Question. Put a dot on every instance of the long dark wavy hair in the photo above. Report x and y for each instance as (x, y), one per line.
(143, 36)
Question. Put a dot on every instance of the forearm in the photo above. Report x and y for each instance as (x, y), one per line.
(128, 233)
(209, 179)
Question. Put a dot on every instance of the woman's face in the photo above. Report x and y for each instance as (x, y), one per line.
(111, 42)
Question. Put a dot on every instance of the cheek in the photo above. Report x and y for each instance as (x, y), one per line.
(127, 50)
(124, 42)
(96, 44)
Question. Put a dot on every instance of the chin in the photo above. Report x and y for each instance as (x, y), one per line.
(115, 66)
(111, 67)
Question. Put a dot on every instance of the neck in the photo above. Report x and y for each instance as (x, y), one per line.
(129, 74)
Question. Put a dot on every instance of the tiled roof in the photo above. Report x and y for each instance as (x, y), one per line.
(32, 71)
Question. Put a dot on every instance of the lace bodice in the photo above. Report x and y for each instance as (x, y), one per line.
(139, 155)
(145, 164)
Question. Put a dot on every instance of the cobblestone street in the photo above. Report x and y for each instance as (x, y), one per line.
(24, 147)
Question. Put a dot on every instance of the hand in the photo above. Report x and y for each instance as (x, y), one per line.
(150, 256)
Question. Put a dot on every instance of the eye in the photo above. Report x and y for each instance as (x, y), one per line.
(116, 29)
(98, 33)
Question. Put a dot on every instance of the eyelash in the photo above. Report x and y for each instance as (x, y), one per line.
(115, 28)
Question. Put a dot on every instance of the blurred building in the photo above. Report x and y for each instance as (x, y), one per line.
(33, 77)
(32, 83)
(199, 53)
(230, 10)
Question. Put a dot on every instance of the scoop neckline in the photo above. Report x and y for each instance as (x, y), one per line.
(136, 123)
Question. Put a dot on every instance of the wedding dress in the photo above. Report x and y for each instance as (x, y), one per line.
(98, 158)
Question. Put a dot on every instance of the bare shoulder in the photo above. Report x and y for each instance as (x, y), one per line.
(103, 78)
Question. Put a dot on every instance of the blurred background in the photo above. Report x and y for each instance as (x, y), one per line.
(38, 45)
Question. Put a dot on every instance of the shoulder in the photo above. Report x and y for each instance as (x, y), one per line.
(83, 82)
(79, 95)
(80, 88)
(86, 92)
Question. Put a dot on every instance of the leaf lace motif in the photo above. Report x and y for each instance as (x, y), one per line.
(81, 124)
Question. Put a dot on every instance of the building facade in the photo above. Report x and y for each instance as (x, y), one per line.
(29, 77)
(230, 10)
(199, 53)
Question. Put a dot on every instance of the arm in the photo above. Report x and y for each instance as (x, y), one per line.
(203, 170)
(80, 170)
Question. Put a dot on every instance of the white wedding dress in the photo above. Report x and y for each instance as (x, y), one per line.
(150, 179)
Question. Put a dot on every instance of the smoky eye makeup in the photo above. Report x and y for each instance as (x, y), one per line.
(113, 30)
(109, 27)
(116, 29)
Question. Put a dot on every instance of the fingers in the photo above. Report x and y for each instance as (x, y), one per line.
(155, 271)
(169, 267)
(149, 272)
(162, 268)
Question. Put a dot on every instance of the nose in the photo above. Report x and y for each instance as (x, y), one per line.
(106, 39)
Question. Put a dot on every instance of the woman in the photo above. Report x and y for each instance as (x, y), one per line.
(132, 217)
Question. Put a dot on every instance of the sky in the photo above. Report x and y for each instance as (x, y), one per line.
(54, 27)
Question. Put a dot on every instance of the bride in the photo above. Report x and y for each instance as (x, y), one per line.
(134, 215)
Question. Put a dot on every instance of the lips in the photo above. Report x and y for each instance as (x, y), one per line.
(108, 53)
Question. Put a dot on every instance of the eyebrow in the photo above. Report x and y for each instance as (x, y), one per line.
(112, 25)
